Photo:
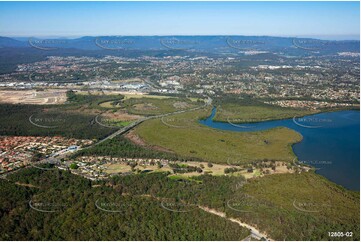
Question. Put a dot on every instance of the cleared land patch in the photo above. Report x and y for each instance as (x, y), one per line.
(141, 165)
(48, 96)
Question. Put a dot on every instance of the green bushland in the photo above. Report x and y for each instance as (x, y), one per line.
(91, 101)
(183, 134)
(73, 166)
(68, 120)
(122, 147)
(14, 120)
(71, 119)
(239, 113)
(115, 123)
(266, 203)
(77, 215)
(302, 206)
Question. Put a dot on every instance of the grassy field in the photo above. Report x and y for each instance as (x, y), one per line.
(182, 134)
(109, 104)
(237, 113)
(154, 106)
(115, 122)
(120, 167)
(215, 169)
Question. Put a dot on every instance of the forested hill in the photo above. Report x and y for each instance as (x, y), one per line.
(56, 205)
(40, 204)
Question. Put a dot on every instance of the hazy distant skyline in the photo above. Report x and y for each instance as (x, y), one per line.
(328, 20)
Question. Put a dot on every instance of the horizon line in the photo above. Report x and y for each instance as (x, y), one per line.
(329, 37)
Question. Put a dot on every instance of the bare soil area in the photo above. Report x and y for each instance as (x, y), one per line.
(48, 96)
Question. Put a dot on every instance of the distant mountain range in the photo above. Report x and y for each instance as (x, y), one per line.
(217, 44)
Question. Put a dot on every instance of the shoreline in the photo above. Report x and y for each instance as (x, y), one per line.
(292, 146)
(279, 119)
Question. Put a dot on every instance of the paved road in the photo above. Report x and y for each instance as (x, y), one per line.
(121, 131)
(254, 232)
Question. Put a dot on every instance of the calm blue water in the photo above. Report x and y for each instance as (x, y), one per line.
(331, 142)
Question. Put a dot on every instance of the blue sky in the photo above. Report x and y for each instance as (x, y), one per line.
(329, 20)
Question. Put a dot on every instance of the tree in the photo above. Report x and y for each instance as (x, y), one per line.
(37, 156)
(133, 165)
(210, 165)
(73, 166)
